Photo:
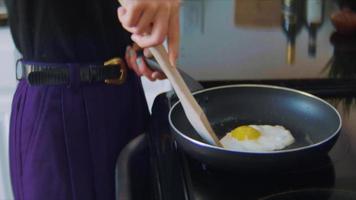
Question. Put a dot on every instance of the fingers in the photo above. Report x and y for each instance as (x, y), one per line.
(151, 22)
(137, 15)
(145, 21)
(173, 36)
(147, 72)
(158, 33)
(143, 69)
(130, 14)
(158, 75)
(140, 67)
(147, 53)
(130, 57)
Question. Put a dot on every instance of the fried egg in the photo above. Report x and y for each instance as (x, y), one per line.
(257, 138)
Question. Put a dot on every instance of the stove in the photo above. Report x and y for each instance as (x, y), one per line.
(177, 176)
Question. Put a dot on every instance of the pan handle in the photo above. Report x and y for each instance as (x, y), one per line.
(192, 84)
(123, 165)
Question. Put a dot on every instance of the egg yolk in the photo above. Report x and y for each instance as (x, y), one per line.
(245, 133)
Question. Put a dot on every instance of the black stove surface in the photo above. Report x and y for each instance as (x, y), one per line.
(180, 177)
(313, 194)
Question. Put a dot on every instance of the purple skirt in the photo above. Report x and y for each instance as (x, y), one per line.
(64, 141)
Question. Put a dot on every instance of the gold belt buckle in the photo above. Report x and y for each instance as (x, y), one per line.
(123, 71)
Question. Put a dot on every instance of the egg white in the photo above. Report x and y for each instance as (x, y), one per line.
(272, 138)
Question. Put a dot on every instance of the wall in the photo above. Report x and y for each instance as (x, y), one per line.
(216, 46)
(8, 57)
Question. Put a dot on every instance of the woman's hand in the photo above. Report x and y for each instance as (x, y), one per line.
(138, 63)
(151, 22)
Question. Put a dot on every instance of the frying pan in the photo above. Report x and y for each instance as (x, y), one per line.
(313, 122)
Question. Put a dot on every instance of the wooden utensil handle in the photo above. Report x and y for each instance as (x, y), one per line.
(188, 102)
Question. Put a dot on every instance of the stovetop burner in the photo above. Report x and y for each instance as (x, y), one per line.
(329, 177)
(314, 194)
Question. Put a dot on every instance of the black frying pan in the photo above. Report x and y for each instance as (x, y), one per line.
(314, 123)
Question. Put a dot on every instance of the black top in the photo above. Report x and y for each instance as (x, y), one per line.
(67, 30)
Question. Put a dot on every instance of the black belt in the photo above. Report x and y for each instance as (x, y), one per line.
(112, 71)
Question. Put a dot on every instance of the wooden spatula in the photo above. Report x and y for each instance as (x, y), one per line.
(192, 110)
